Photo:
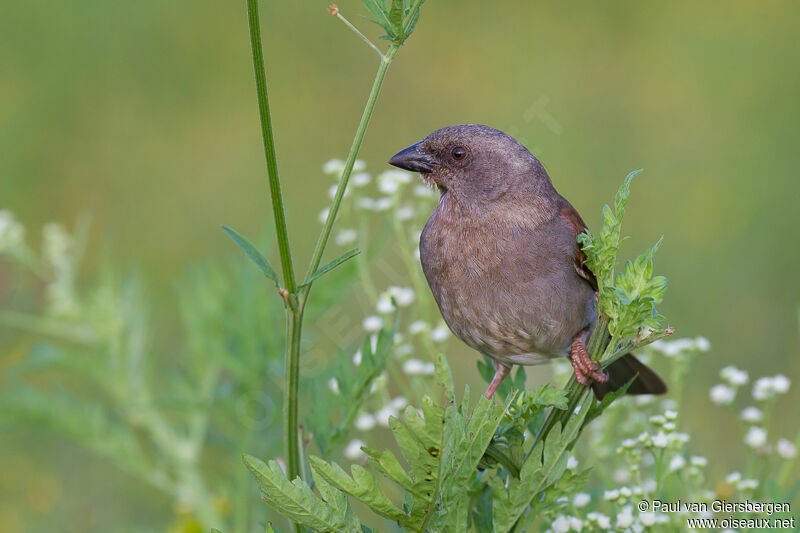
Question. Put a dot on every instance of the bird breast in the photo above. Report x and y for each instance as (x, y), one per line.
(505, 288)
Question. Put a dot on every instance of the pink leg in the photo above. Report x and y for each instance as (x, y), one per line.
(500, 372)
(585, 369)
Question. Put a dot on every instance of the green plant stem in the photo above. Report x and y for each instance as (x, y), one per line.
(269, 148)
(361, 130)
(358, 32)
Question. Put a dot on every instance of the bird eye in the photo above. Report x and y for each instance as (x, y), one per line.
(459, 152)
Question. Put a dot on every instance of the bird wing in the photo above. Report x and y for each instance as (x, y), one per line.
(568, 214)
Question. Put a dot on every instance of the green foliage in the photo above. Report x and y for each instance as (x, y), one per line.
(253, 253)
(398, 18)
(327, 267)
(354, 389)
(627, 299)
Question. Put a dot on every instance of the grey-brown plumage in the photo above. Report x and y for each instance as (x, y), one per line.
(501, 258)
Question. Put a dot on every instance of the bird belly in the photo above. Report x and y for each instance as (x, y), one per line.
(524, 309)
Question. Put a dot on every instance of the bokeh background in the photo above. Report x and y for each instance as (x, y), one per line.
(143, 115)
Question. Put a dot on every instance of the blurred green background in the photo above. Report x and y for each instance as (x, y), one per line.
(143, 114)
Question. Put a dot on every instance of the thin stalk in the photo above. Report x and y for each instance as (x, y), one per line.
(322, 241)
(269, 148)
(357, 32)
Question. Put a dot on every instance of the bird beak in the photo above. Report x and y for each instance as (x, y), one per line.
(413, 159)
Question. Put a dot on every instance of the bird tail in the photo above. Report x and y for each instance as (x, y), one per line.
(622, 371)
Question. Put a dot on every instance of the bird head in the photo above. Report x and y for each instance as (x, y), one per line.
(472, 162)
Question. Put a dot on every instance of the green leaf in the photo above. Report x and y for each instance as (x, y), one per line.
(360, 485)
(444, 375)
(295, 500)
(380, 14)
(396, 17)
(253, 253)
(324, 269)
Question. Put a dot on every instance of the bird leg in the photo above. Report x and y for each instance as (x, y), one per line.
(500, 372)
(585, 369)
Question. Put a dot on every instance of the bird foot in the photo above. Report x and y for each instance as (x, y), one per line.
(585, 369)
(500, 373)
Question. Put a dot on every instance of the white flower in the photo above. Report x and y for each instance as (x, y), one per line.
(660, 440)
(333, 167)
(682, 438)
(747, 484)
(572, 463)
(323, 215)
(403, 350)
(628, 443)
(763, 389)
(12, 233)
(611, 495)
(669, 414)
(384, 414)
(357, 358)
(733, 478)
(780, 384)
(423, 191)
(625, 492)
(678, 346)
(602, 521)
(647, 519)
(669, 426)
(392, 175)
(359, 165)
(786, 449)
(560, 524)
(751, 414)
(405, 213)
(581, 499)
(440, 334)
(722, 394)
(372, 324)
(360, 179)
(383, 204)
(366, 203)
(353, 450)
(698, 461)
(702, 344)
(417, 326)
(333, 385)
(625, 517)
(384, 304)
(575, 523)
(415, 367)
(734, 376)
(387, 186)
(365, 422)
(399, 402)
(657, 420)
(676, 463)
(404, 296)
(756, 437)
(346, 236)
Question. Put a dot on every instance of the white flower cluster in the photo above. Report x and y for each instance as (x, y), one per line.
(404, 296)
(12, 233)
(768, 387)
(681, 346)
(367, 421)
(57, 252)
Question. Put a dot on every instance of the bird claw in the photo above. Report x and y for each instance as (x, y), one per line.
(585, 369)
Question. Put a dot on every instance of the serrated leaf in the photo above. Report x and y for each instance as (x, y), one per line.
(444, 375)
(295, 500)
(361, 485)
(380, 14)
(327, 267)
(253, 253)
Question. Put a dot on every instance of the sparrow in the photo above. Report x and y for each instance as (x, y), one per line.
(501, 257)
